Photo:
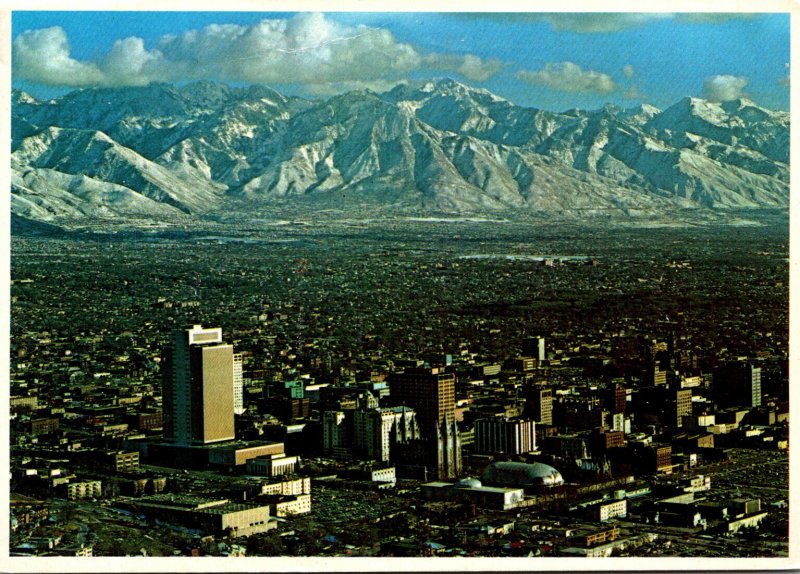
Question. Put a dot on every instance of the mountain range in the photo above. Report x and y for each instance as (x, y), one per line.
(167, 153)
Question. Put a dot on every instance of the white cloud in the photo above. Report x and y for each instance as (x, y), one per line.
(631, 93)
(723, 88)
(606, 22)
(471, 67)
(128, 62)
(711, 17)
(306, 49)
(569, 77)
(477, 70)
(43, 56)
(629, 71)
(601, 22)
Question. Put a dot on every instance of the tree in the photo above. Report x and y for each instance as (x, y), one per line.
(266, 544)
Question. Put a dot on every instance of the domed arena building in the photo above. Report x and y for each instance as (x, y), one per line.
(531, 476)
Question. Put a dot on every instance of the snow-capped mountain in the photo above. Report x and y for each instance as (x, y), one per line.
(163, 152)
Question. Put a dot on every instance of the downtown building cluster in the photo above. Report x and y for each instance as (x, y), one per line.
(538, 431)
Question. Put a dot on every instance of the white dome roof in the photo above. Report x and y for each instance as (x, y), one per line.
(522, 474)
(469, 483)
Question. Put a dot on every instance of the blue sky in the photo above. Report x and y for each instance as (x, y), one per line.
(550, 61)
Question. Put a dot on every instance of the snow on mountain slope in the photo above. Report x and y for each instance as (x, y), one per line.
(46, 194)
(739, 122)
(440, 145)
(94, 154)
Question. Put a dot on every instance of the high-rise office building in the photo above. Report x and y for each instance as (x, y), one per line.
(683, 405)
(238, 385)
(659, 403)
(615, 398)
(337, 434)
(198, 371)
(737, 384)
(509, 436)
(655, 375)
(534, 347)
(539, 405)
(430, 392)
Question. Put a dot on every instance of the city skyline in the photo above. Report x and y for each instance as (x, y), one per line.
(640, 436)
(301, 286)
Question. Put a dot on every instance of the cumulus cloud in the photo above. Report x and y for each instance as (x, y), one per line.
(711, 17)
(608, 22)
(569, 77)
(723, 88)
(128, 62)
(43, 56)
(629, 71)
(306, 49)
(471, 67)
(475, 69)
(602, 22)
(631, 93)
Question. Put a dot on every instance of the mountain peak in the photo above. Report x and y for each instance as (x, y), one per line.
(206, 92)
(356, 96)
(440, 143)
(740, 112)
(691, 109)
(751, 112)
(441, 87)
(641, 113)
(643, 109)
(20, 97)
(444, 84)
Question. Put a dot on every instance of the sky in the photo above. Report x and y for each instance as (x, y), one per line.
(550, 61)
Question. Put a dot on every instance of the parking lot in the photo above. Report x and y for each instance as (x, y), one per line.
(339, 506)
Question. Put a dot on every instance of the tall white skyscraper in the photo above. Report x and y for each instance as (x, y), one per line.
(198, 387)
(238, 385)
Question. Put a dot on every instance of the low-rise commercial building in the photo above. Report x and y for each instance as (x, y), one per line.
(471, 489)
(273, 465)
(83, 489)
(214, 516)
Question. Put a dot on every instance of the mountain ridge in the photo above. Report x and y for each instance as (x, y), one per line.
(161, 151)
